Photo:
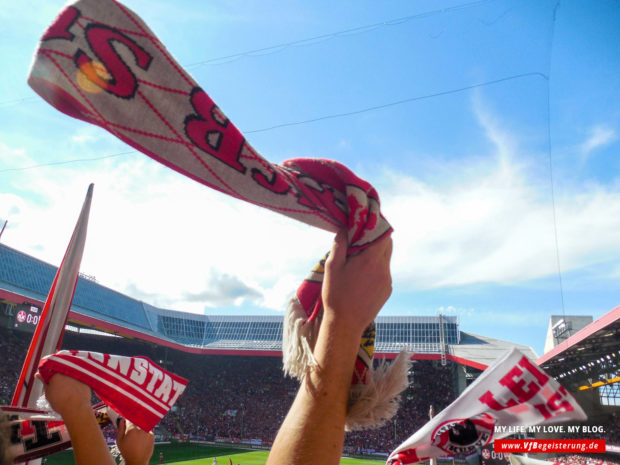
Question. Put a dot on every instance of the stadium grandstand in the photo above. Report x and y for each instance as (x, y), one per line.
(25, 282)
(237, 392)
(586, 360)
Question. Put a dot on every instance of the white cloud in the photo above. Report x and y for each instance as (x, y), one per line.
(454, 311)
(599, 136)
(83, 137)
(491, 220)
(11, 157)
(161, 238)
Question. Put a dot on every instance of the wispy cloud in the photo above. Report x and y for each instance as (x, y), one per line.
(456, 311)
(492, 221)
(172, 242)
(81, 138)
(160, 237)
(599, 136)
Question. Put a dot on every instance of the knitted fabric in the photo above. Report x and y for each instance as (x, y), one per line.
(100, 63)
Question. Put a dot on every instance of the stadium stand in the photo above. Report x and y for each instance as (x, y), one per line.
(587, 363)
(25, 281)
(237, 392)
(580, 460)
(243, 398)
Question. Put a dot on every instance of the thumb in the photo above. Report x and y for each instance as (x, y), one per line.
(122, 428)
(338, 254)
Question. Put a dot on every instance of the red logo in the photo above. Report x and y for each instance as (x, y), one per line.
(21, 316)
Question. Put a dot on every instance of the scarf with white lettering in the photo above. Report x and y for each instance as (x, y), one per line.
(35, 433)
(100, 63)
(134, 387)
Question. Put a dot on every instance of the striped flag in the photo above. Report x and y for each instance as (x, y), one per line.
(47, 337)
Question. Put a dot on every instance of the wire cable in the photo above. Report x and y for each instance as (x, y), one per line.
(320, 118)
(551, 178)
(301, 42)
(67, 162)
(400, 102)
(333, 35)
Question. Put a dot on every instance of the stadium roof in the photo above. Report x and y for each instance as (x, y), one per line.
(588, 355)
(24, 278)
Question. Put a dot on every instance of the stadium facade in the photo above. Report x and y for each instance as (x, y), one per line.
(25, 282)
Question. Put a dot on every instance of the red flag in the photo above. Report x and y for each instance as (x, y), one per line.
(48, 335)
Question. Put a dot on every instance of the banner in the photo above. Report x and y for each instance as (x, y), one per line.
(512, 392)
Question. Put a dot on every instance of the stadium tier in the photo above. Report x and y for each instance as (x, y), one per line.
(237, 392)
(25, 282)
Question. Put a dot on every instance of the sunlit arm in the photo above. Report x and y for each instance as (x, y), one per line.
(353, 292)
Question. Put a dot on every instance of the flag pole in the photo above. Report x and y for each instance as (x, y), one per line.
(5, 222)
(49, 332)
(431, 414)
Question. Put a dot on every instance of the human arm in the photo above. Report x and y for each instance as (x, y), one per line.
(354, 290)
(136, 445)
(71, 399)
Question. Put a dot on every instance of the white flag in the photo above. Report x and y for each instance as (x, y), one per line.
(513, 391)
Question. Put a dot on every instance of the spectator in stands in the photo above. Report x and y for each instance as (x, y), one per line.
(354, 291)
(71, 399)
(5, 459)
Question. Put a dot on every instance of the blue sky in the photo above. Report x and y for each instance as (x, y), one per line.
(455, 111)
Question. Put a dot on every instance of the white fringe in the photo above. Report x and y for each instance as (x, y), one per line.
(298, 339)
(373, 404)
(43, 404)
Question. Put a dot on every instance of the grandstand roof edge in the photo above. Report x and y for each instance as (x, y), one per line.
(127, 332)
(500, 341)
(610, 317)
(81, 276)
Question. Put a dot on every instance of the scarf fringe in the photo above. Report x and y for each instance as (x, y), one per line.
(373, 404)
(298, 339)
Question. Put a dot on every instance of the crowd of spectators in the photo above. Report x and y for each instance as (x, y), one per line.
(231, 397)
(245, 398)
(13, 347)
(580, 460)
(236, 398)
(414, 410)
(598, 427)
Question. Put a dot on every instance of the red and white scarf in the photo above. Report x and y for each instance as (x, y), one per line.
(134, 387)
(99, 62)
